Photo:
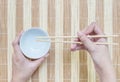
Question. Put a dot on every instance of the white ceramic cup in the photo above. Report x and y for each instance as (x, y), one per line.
(32, 48)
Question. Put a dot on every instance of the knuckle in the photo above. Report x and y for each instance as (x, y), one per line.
(93, 49)
(82, 38)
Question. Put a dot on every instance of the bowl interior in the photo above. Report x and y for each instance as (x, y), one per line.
(31, 47)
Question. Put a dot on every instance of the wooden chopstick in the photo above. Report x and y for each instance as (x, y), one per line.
(92, 36)
(98, 43)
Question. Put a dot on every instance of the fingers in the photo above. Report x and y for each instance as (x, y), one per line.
(73, 46)
(16, 44)
(39, 61)
(89, 45)
(93, 27)
(89, 28)
(77, 48)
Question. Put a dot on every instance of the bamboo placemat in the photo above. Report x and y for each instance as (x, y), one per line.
(59, 18)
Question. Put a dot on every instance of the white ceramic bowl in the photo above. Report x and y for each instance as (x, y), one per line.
(30, 47)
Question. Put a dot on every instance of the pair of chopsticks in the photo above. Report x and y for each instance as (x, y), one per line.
(43, 39)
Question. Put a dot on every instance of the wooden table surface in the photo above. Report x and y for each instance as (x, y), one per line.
(58, 17)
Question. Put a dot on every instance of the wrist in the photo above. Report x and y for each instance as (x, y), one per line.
(18, 79)
(107, 74)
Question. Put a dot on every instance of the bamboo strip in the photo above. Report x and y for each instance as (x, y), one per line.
(75, 74)
(100, 13)
(67, 31)
(35, 13)
(91, 18)
(83, 24)
(59, 47)
(11, 15)
(19, 16)
(51, 30)
(27, 17)
(43, 11)
(27, 14)
(108, 21)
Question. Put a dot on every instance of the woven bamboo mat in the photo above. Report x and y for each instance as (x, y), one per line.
(58, 17)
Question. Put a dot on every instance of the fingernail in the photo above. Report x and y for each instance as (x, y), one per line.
(72, 48)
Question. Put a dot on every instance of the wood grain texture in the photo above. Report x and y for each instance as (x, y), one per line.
(67, 32)
(51, 30)
(3, 42)
(108, 19)
(91, 18)
(58, 46)
(58, 17)
(43, 17)
(74, 28)
(11, 23)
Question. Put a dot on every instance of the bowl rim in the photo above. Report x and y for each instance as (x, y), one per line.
(25, 31)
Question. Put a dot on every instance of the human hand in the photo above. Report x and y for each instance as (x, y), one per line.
(23, 68)
(96, 51)
(99, 53)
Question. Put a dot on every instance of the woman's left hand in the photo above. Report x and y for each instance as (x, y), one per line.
(22, 67)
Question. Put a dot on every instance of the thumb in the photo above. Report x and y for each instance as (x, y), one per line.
(89, 45)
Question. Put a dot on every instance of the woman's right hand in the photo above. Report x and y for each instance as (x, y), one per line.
(99, 53)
